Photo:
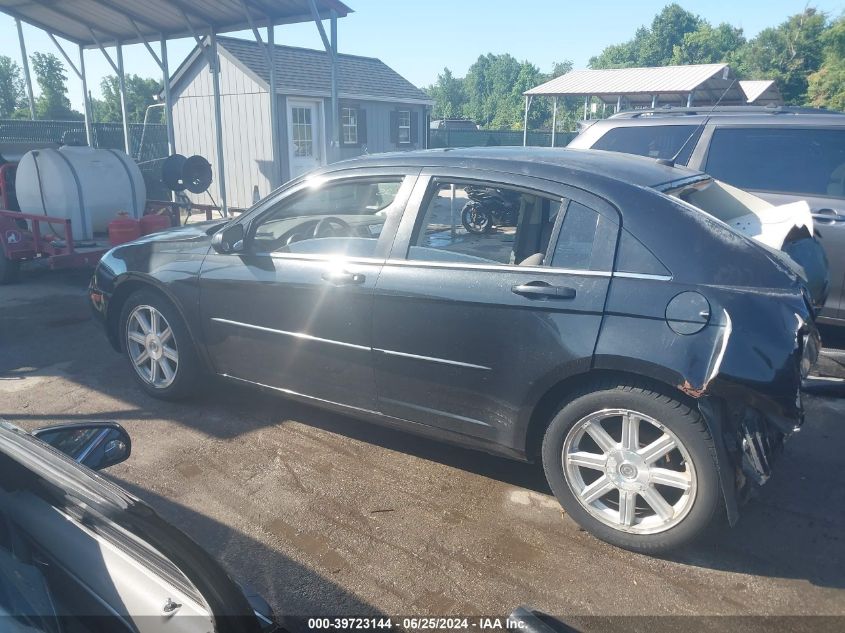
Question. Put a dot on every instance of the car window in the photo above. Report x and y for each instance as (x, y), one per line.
(586, 240)
(789, 160)
(332, 218)
(483, 223)
(656, 141)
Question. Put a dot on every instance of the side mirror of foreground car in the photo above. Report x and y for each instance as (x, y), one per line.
(97, 445)
(229, 239)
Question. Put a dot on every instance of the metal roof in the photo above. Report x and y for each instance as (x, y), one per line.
(640, 84)
(87, 22)
(306, 71)
(761, 92)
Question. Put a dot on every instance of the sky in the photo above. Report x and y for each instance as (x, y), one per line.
(419, 39)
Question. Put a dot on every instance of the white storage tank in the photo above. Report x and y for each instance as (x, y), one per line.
(89, 186)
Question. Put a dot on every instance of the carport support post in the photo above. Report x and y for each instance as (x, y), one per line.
(121, 81)
(525, 121)
(586, 103)
(618, 103)
(554, 121)
(168, 104)
(335, 113)
(218, 120)
(26, 75)
(86, 102)
(276, 179)
(653, 101)
(689, 100)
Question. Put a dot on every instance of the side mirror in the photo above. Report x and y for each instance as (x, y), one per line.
(97, 445)
(229, 239)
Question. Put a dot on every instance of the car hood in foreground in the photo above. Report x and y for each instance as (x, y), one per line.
(103, 507)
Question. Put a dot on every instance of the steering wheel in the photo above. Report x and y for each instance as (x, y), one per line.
(323, 228)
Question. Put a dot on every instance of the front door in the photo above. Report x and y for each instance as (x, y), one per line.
(469, 326)
(306, 150)
(293, 311)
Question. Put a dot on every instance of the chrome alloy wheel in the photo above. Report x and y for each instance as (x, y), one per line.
(151, 346)
(629, 471)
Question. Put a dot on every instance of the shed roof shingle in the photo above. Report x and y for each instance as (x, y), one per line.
(308, 71)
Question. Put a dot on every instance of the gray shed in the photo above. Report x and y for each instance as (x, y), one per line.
(378, 111)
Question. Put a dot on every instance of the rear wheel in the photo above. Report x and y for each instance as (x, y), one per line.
(633, 466)
(476, 220)
(158, 346)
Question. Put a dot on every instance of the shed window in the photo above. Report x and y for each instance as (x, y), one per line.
(404, 126)
(349, 125)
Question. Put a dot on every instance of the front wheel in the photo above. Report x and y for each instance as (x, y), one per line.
(634, 466)
(158, 346)
(476, 220)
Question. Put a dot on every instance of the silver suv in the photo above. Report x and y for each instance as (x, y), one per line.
(780, 154)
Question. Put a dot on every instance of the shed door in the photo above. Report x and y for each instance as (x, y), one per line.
(306, 139)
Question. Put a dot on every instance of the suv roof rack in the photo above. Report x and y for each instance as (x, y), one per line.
(669, 110)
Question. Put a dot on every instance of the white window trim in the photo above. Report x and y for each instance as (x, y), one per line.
(403, 127)
(353, 127)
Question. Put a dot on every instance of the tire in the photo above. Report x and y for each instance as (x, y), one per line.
(9, 269)
(171, 379)
(482, 223)
(684, 473)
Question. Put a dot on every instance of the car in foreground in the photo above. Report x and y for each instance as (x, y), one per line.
(786, 156)
(647, 353)
(80, 554)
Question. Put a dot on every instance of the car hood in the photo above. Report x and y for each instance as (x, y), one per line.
(190, 233)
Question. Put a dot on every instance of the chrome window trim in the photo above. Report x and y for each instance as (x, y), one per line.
(328, 259)
(432, 359)
(528, 269)
(299, 335)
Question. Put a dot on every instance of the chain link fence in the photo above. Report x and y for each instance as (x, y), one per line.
(492, 138)
(147, 142)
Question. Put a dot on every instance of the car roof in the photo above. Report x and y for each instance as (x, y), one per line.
(728, 115)
(540, 162)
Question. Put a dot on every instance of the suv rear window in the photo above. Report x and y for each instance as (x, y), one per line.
(656, 141)
(788, 160)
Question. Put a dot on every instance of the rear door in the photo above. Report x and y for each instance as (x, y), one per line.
(783, 164)
(468, 329)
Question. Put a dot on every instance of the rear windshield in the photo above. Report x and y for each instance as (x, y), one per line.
(787, 160)
(656, 141)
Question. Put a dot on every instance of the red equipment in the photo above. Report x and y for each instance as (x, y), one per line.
(123, 229)
(153, 223)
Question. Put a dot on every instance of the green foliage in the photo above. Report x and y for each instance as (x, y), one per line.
(52, 103)
(11, 87)
(788, 53)
(449, 96)
(708, 45)
(826, 86)
(140, 94)
(654, 45)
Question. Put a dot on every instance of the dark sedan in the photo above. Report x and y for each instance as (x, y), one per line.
(647, 353)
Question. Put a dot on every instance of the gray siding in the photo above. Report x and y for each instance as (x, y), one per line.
(245, 110)
(378, 127)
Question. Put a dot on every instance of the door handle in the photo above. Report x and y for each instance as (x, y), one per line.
(827, 216)
(542, 290)
(343, 278)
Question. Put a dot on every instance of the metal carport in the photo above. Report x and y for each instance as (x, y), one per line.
(104, 23)
(702, 84)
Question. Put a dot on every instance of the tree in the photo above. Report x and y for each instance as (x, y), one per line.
(826, 86)
(11, 87)
(140, 93)
(449, 96)
(788, 53)
(708, 45)
(654, 45)
(52, 103)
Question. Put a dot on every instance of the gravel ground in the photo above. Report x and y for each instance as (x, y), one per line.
(324, 514)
